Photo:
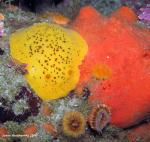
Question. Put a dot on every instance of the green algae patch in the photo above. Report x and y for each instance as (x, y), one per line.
(52, 54)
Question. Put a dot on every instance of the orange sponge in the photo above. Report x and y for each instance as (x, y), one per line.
(121, 45)
(125, 13)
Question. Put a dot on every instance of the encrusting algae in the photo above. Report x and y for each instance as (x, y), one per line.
(52, 54)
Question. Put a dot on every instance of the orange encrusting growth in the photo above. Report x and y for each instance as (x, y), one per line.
(30, 129)
(50, 129)
(56, 17)
(122, 46)
(101, 71)
(46, 111)
(3, 131)
(2, 16)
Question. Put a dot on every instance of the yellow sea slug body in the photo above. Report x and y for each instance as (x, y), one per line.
(53, 55)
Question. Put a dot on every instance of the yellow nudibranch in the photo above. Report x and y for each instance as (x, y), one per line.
(53, 55)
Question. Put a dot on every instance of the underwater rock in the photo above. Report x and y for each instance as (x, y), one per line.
(35, 5)
(19, 67)
(123, 46)
(85, 93)
(1, 25)
(1, 51)
(139, 133)
(145, 14)
(8, 114)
